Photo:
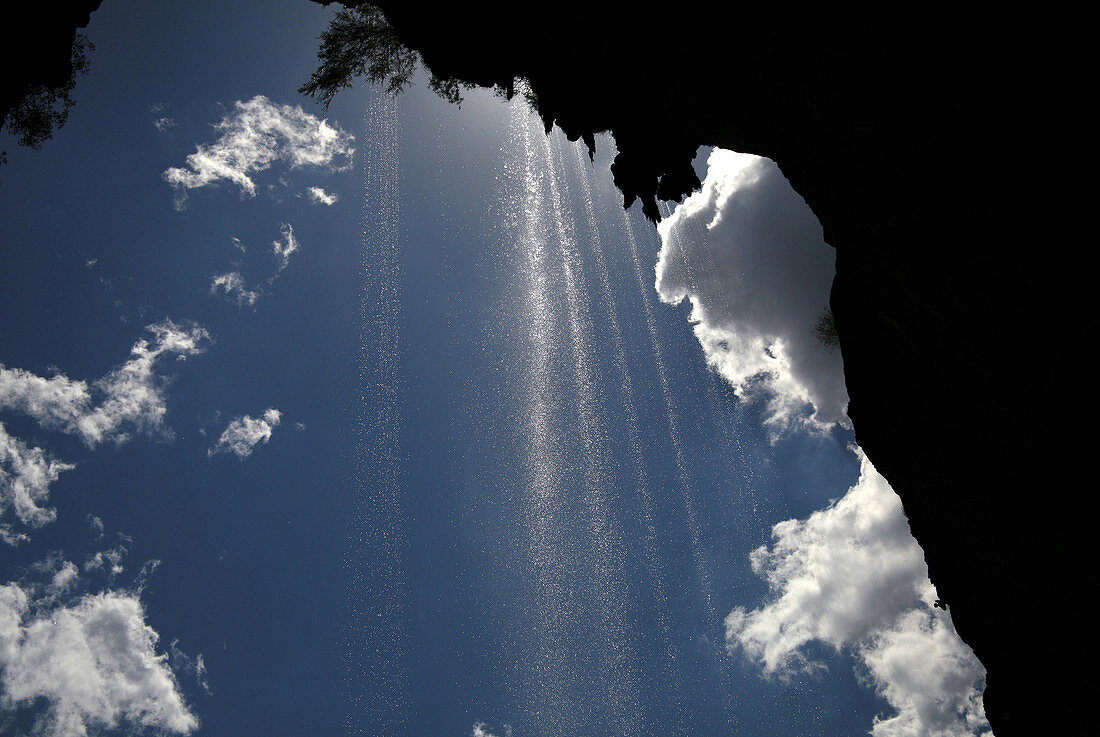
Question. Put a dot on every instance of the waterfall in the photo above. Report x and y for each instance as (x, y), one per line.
(573, 543)
(376, 679)
(613, 583)
(702, 569)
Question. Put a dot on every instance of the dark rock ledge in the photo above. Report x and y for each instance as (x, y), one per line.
(944, 151)
(937, 146)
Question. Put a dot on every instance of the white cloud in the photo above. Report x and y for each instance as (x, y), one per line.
(318, 196)
(231, 285)
(109, 561)
(748, 254)
(25, 477)
(62, 580)
(85, 665)
(184, 663)
(254, 136)
(285, 245)
(852, 576)
(130, 397)
(930, 678)
(245, 433)
(161, 122)
(57, 402)
(480, 730)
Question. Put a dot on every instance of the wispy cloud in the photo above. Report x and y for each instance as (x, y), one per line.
(161, 122)
(244, 433)
(193, 666)
(129, 398)
(59, 577)
(56, 402)
(25, 477)
(284, 246)
(109, 561)
(748, 254)
(84, 664)
(254, 136)
(852, 576)
(231, 286)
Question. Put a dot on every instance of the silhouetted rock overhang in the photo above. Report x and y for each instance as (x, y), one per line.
(920, 142)
(943, 153)
(36, 42)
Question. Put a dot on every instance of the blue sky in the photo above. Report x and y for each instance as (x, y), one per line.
(396, 424)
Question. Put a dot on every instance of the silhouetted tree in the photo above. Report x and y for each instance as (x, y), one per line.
(360, 42)
(44, 108)
(825, 331)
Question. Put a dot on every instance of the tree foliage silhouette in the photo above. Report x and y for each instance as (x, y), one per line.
(825, 331)
(45, 108)
(360, 42)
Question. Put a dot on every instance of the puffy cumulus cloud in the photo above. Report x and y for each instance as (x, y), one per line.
(254, 136)
(231, 286)
(481, 730)
(838, 575)
(930, 678)
(853, 577)
(129, 398)
(85, 665)
(748, 254)
(245, 433)
(285, 245)
(319, 196)
(25, 477)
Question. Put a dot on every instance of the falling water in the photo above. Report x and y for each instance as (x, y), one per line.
(644, 492)
(745, 503)
(617, 666)
(548, 555)
(576, 574)
(376, 679)
(602, 647)
(702, 569)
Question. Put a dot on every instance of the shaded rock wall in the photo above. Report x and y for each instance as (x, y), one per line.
(926, 146)
(36, 43)
(943, 152)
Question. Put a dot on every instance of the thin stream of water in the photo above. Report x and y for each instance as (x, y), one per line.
(376, 679)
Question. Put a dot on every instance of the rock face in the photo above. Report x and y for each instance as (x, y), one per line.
(924, 145)
(937, 149)
(36, 48)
